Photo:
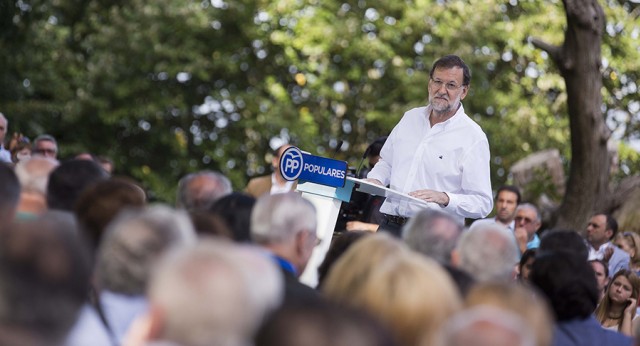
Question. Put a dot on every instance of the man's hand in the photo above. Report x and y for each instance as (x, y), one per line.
(431, 196)
(522, 238)
(374, 181)
(361, 226)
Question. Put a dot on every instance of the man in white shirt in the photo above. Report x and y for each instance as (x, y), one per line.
(274, 183)
(437, 153)
(600, 230)
(5, 155)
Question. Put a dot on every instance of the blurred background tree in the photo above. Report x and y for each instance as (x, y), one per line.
(170, 87)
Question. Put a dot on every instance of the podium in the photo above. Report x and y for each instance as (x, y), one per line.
(327, 201)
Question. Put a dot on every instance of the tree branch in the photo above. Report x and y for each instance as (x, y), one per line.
(553, 51)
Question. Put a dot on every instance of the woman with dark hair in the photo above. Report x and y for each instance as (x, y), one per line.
(617, 309)
(235, 210)
(524, 267)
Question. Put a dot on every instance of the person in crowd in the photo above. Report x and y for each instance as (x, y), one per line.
(568, 283)
(409, 293)
(433, 233)
(437, 153)
(235, 210)
(601, 229)
(517, 299)
(527, 223)
(506, 201)
(329, 324)
(198, 191)
(9, 194)
(127, 256)
(5, 155)
(617, 309)
(285, 225)
(487, 252)
(207, 224)
(563, 240)
(526, 262)
(67, 181)
(214, 293)
(101, 202)
(602, 276)
(487, 326)
(45, 273)
(106, 163)
(45, 145)
(20, 148)
(34, 178)
(629, 243)
(340, 243)
(273, 183)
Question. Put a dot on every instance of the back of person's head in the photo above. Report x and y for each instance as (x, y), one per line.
(134, 242)
(568, 282)
(100, 203)
(563, 240)
(433, 233)
(487, 326)
(410, 293)
(215, 293)
(34, 174)
(9, 193)
(235, 210)
(339, 245)
(325, 324)
(44, 276)
(198, 191)
(517, 299)
(488, 252)
(68, 180)
(278, 218)
(375, 147)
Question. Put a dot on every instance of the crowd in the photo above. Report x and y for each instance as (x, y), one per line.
(85, 260)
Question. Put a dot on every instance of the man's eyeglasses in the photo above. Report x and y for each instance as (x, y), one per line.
(437, 84)
(525, 219)
(44, 151)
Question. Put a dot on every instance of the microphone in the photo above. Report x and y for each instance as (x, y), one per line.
(337, 150)
(364, 156)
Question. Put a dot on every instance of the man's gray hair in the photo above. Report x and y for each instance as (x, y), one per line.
(216, 293)
(135, 241)
(433, 233)
(198, 191)
(278, 218)
(531, 207)
(488, 252)
(44, 138)
(34, 173)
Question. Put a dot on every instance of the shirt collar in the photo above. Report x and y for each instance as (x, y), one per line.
(449, 121)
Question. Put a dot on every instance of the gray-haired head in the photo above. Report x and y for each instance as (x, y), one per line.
(529, 206)
(135, 241)
(234, 287)
(487, 326)
(278, 218)
(433, 233)
(488, 252)
(198, 191)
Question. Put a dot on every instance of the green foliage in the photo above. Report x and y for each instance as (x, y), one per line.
(169, 87)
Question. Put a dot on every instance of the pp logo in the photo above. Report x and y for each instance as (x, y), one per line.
(291, 163)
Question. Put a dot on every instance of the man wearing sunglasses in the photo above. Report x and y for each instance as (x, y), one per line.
(527, 223)
(437, 153)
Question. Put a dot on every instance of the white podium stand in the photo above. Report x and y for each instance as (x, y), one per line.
(327, 201)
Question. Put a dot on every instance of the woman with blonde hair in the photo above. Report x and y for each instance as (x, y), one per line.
(409, 293)
(629, 242)
(617, 309)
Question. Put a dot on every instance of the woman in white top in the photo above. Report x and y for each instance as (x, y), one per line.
(617, 309)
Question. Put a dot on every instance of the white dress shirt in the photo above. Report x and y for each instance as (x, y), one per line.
(276, 188)
(451, 157)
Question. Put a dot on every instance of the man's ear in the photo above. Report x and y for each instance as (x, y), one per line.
(609, 233)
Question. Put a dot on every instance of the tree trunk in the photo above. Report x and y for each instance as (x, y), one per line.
(579, 61)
